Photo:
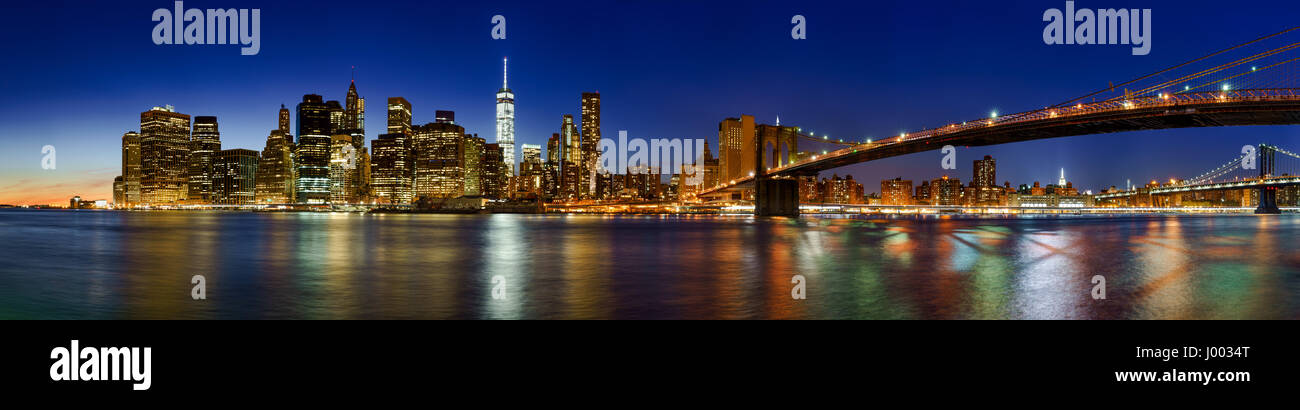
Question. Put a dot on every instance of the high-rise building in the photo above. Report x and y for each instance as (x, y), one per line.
(495, 172)
(710, 167)
(897, 191)
(735, 148)
(531, 171)
(205, 141)
(284, 121)
(984, 183)
(164, 156)
(234, 176)
(313, 150)
(275, 170)
(390, 169)
(571, 176)
(590, 144)
(399, 116)
(551, 178)
(119, 192)
(945, 191)
(345, 170)
(130, 170)
(474, 165)
(986, 174)
(506, 119)
(438, 150)
(845, 190)
(354, 113)
(336, 114)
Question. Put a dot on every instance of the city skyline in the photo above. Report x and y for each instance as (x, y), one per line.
(635, 99)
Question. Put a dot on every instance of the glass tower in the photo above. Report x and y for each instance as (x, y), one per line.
(506, 120)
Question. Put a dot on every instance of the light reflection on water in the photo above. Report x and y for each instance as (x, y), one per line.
(137, 265)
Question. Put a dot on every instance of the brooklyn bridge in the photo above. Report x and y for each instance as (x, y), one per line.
(1253, 83)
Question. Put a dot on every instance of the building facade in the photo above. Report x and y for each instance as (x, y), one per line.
(506, 119)
(164, 156)
(234, 176)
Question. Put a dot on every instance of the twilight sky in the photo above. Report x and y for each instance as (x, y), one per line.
(77, 75)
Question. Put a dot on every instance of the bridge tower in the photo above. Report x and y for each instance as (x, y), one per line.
(773, 197)
(1267, 193)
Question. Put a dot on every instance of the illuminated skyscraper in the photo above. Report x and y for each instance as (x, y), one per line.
(590, 143)
(390, 170)
(473, 165)
(275, 169)
(506, 119)
(986, 175)
(164, 155)
(284, 121)
(735, 148)
(354, 115)
(495, 171)
(984, 182)
(551, 178)
(345, 176)
(205, 142)
(234, 176)
(531, 171)
(313, 151)
(130, 170)
(571, 176)
(399, 116)
(439, 152)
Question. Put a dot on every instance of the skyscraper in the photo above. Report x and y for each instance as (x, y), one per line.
(234, 176)
(164, 155)
(506, 119)
(551, 178)
(530, 168)
(985, 183)
(284, 121)
(399, 116)
(130, 169)
(494, 171)
(354, 114)
(473, 165)
(590, 142)
(275, 169)
(735, 148)
(985, 173)
(438, 150)
(313, 151)
(205, 142)
(571, 176)
(390, 171)
(345, 178)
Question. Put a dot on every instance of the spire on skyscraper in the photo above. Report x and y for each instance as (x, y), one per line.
(505, 68)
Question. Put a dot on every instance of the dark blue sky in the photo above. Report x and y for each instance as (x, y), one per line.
(78, 74)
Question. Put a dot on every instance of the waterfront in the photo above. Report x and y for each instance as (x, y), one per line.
(138, 265)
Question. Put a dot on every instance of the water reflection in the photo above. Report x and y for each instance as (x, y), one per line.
(349, 266)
